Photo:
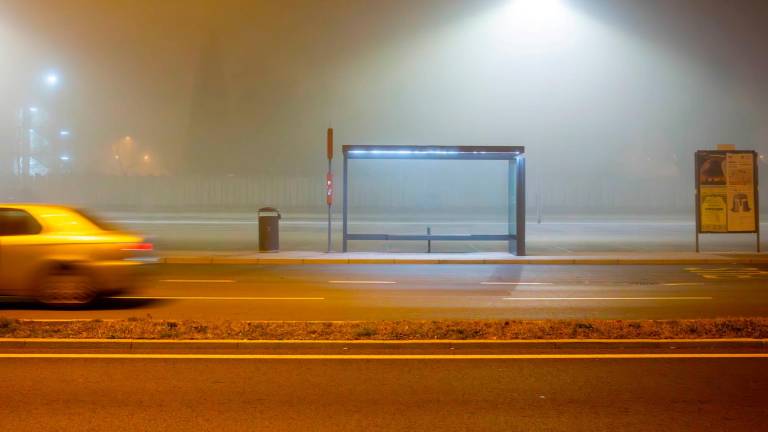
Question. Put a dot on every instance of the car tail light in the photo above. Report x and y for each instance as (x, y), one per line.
(143, 247)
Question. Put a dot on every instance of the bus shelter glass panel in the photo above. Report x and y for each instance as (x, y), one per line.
(513, 202)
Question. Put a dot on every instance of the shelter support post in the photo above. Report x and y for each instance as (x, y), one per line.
(519, 207)
(345, 210)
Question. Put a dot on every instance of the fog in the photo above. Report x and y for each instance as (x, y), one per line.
(223, 104)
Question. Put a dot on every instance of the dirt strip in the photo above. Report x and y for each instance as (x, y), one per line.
(149, 328)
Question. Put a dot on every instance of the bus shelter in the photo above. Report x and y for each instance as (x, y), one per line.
(514, 155)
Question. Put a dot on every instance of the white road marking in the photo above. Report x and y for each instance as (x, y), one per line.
(382, 356)
(213, 298)
(198, 280)
(65, 319)
(361, 282)
(603, 298)
(723, 269)
(747, 272)
(515, 283)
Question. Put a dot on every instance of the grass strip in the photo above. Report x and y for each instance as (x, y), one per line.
(149, 328)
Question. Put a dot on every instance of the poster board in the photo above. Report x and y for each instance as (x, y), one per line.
(726, 192)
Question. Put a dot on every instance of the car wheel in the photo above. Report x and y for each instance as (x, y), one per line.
(66, 289)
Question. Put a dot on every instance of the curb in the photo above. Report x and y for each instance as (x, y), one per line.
(456, 345)
(463, 261)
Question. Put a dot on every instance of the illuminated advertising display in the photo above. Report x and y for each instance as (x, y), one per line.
(726, 191)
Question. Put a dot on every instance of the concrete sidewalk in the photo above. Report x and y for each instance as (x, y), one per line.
(607, 258)
(223, 233)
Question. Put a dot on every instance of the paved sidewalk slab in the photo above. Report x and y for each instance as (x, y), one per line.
(556, 235)
(319, 258)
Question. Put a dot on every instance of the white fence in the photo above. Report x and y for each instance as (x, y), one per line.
(368, 195)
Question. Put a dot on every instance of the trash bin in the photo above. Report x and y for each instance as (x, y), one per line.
(269, 229)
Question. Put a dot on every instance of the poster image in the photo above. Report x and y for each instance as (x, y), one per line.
(711, 169)
(740, 178)
(739, 169)
(714, 209)
(741, 209)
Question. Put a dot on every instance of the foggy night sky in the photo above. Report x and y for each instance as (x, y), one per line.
(626, 88)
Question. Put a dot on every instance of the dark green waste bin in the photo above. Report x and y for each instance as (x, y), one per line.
(269, 229)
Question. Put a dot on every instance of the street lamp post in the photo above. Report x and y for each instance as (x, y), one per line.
(26, 141)
(121, 151)
(29, 117)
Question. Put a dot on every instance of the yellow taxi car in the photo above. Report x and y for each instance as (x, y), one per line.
(62, 256)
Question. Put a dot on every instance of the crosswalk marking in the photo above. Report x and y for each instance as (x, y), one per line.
(729, 272)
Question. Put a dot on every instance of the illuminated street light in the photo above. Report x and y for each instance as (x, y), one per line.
(531, 27)
(146, 158)
(64, 133)
(51, 79)
(64, 158)
(33, 109)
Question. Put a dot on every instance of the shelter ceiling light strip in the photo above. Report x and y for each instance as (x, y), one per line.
(417, 152)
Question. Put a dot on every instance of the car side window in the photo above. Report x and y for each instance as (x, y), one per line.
(14, 222)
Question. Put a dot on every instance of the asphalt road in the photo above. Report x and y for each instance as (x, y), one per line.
(385, 394)
(374, 292)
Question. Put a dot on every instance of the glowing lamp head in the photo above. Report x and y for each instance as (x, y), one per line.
(534, 26)
(51, 79)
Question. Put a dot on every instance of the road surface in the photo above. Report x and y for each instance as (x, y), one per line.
(294, 394)
(378, 292)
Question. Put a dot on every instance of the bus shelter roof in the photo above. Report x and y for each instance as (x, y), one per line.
(432, 152)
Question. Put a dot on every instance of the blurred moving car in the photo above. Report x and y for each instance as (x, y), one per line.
(62, 256)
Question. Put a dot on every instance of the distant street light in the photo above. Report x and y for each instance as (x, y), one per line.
(51, 79)
(64, 133)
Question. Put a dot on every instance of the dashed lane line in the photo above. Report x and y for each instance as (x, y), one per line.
(198, 280)
(212, 298)
(362, 282)
(602, 298)
(516, 283)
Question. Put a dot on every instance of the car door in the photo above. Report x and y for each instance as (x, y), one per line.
(21, 252)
